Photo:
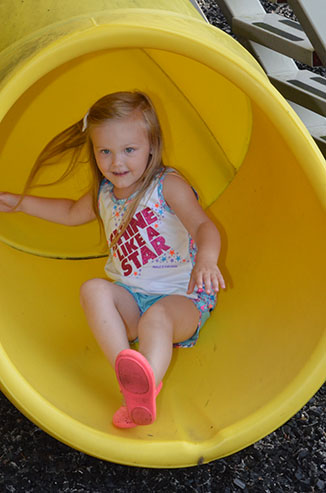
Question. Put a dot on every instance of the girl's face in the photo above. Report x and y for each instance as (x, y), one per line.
(122, 149)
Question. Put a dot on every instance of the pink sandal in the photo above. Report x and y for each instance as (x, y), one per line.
(121, 418)
(137, 384)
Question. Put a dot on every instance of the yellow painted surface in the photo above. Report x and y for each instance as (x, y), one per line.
(261, 356)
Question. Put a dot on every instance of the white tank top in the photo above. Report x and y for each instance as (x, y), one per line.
(156, 254)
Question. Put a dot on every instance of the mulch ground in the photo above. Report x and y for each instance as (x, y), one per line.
(291, 459)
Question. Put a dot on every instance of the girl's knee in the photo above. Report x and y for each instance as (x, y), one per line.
(156, 319)
(157, 311)
(91, 287)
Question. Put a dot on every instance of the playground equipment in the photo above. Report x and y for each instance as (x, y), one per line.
(276, 42)
(262, 179)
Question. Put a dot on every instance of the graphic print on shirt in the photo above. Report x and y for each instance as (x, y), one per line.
(142, 242)
(155, 249)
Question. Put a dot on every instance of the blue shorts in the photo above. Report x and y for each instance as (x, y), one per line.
(204, 302)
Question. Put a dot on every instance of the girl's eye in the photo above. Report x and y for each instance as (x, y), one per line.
(105, 151)
(129, 149)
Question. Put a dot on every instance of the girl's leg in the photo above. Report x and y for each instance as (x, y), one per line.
(171, 319)
(112, 314)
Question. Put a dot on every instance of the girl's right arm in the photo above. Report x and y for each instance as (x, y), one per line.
(63, 211)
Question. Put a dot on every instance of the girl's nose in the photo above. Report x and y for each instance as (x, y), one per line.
(116, 159)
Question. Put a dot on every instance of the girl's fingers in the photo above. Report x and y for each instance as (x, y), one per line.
(215, 284)
(221, 280)
(208, 281)
(7, 201)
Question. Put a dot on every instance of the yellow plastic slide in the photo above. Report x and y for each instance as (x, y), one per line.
(261, 356)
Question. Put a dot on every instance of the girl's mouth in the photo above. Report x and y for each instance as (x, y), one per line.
(120, 173)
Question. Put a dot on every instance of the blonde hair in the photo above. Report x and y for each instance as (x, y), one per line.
(73, 140)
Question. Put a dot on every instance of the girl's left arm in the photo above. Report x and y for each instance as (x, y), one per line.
(182, 200)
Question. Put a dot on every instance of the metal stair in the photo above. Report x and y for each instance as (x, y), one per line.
(312, 17)
(249, 20)
(276, 42)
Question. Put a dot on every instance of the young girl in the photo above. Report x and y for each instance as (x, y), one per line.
(163, 247)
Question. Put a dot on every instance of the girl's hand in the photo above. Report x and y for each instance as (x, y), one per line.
(206, 276)
(8, 201)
